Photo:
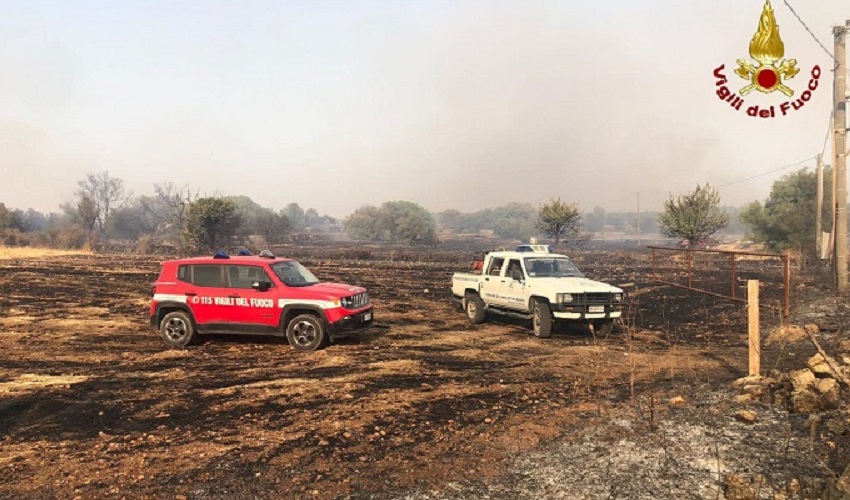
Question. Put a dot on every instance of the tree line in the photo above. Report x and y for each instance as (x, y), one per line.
(179, 217)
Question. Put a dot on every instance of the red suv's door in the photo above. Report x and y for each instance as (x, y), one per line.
(203, 285)
(251, 308)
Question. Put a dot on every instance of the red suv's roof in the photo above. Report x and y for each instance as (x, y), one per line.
(238, 259)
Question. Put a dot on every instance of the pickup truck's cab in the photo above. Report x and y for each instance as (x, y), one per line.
(539, 285)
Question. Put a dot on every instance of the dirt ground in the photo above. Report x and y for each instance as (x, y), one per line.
(93, 404)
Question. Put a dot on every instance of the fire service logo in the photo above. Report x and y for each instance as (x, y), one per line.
(767, 72)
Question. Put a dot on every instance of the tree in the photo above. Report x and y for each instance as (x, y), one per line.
(86, 213)
(9, 218)
(394, 221)
(169, 208)
(559, 220)
(210, 222)
(408, 222)
(296, 216)
(365, 224)
(273, 227)
(693, 217)
(787, 219)
(104, 192)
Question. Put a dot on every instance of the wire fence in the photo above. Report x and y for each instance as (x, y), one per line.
(724, 274)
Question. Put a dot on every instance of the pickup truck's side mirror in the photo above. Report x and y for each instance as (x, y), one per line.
(262, 286)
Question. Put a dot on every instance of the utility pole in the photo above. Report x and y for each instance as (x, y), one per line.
(840, 165)
(819, 225)
(638, 219)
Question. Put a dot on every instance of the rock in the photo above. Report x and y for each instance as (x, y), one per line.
(843, 483)
(678, 400)
(837, 426)
(789, 333)
(818, 365)
(737, 487)
(745, 381)
(744, 398)
(812, 328)
(831, 399)
(802, 379)
(804, 401)
(825, 385)
(746, 416)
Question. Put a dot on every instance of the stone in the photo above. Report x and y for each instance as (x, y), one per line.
(678, 400)
(802, 379)
(818, 365)
(745, 381)
(830, 400)
(737, 487)
(812, 328)
(843, 483)
(789, 334)
(825, 385)
(804, 401)
(744, 398)
(746, 416)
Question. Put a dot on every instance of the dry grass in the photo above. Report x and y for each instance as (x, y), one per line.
(32, 253)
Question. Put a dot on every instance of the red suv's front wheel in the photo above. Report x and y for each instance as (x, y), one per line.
(306, 333)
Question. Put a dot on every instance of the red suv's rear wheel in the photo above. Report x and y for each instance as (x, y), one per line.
(306, 333)
(177, 330)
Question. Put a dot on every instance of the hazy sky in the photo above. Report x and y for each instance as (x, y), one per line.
(451, 104)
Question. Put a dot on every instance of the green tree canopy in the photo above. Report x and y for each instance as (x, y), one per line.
(787, 219)
(211, 222)
(694, 216)
(395, 221)
(559, 220)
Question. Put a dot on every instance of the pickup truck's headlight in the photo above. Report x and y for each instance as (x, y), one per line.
(618, 297)
(562, 298)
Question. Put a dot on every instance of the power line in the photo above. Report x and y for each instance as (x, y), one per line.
(768, 173)
(828, 130)
(812, 34)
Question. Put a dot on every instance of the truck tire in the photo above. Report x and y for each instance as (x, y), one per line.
(474, 308)
(306, 333)
(542, 318)
(177, 329)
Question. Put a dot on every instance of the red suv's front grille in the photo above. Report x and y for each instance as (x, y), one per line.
(356, 301)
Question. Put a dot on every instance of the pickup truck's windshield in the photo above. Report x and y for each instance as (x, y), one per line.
(551, 267)
(294, 274)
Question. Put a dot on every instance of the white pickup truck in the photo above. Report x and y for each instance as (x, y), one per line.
(539, 286)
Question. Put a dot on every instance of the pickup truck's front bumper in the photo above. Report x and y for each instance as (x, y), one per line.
(584, 312)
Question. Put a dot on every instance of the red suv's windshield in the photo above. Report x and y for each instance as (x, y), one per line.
(293, 273)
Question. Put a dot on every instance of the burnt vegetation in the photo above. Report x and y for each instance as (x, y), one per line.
(92, 404)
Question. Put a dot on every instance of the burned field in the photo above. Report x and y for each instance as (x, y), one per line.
(92, 403)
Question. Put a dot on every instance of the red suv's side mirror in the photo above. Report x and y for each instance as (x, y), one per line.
(262, 286)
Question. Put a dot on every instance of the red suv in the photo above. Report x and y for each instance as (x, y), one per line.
(256, 295)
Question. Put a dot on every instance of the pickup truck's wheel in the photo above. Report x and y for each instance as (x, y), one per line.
(177, 330)
(306, 333)
(474, 309)
(542, 317)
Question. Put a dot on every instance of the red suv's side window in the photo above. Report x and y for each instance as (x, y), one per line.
(207, 275)
(245, 276)
(183, 274)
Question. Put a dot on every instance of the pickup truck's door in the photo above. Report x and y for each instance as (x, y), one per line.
(513, 286)
(491, 282)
